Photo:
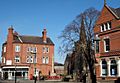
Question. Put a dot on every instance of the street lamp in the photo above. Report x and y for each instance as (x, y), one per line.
(15, 72)
(34, 61)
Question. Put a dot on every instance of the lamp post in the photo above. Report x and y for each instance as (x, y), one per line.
(15, 72)
(35, 66)
(34, 61)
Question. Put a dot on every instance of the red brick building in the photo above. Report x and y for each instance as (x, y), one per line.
(107, 44)
(28, 55)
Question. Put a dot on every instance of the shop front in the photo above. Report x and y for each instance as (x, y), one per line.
(21, 72)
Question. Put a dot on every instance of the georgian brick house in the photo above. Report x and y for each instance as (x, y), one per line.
(27, 55)
(107, 44)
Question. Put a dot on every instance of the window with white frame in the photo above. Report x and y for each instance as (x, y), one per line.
(109, 25)
(113, 67)
(29, 59)
(17, 48)
(35, 58)
(45, 60)
(17, 59)
(4, 50)
(28, 49)
(102, 28)
(105, 26)
(107, 45)
(34, 49)
(104, 67)
(45, 50)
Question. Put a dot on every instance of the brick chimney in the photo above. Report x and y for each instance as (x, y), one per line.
(44, 35)
(9, 43)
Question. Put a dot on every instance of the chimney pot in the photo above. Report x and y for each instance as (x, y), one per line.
(44, 35)
(10, 30)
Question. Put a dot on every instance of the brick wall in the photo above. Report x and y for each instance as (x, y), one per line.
(113, 34)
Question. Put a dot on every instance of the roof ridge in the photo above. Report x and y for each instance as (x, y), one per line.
(32, 36)
(29, 36)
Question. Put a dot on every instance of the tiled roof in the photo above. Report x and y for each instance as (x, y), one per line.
(31, 39)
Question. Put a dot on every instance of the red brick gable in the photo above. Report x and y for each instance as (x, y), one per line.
(106, 15)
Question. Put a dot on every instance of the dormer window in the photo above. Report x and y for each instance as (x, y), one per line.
(105, 26)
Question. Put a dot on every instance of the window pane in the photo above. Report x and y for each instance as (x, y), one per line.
(34, 49)
(17, 59)
(47, 49)
(97, 46)
(104, 71)
(28, 59)
(28, 49)
(17, 48)
(113, 69)
(104, 67)
(102, 27)
(106, 26)
(31, 49)
(47, 60)
(43, 49)
(43, 60)
(107, 44)
(110, 25)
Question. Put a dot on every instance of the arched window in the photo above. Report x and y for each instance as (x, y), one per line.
(104, 67)
(113, 67)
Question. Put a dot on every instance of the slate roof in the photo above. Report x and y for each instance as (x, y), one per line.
(58, 64)
(31, 40)
(116, 11)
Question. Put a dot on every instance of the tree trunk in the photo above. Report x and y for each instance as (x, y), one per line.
(92, 75)
(84, 79)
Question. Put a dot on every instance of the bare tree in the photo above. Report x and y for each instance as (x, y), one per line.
(71, 35)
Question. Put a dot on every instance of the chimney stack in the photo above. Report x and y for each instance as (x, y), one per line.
(44, 35)
(10, 33)
(10, 43)
(10, 30)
